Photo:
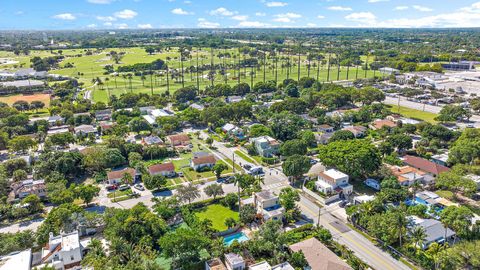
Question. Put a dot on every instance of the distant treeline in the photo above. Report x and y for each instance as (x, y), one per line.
(155, 65)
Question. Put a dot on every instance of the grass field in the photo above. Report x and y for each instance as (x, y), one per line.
(88, 67)
(217, 214)
(416, 114)
(245, 157)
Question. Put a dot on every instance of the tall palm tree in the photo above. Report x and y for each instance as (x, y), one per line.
(108, 89)
(418, 236)
(168, 81)
(130, 76)
(328, 67)
(435, 252)
(299, 54)
(197, 70)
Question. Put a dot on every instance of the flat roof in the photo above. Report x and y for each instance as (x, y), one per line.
(20, 260)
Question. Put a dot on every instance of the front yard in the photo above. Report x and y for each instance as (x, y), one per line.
(217, 213)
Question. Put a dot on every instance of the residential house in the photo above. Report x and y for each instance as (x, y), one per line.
(475, 178)
(358, 131)
(84, 130)
(103, 115)
(318, 256)
(266, 266)
(380, 123)
(434, 230)
(233, 99)
(334, 183)
(234, 261)
(407, 175)
(266, 146)
(152, 140)
(325, 128)
(165, 169)
(440, 159)
(178, 140)
(63, 251)
(20, 260)
(24, 188)
(115, 177)
(432, 201)
(203, 162)
(146, 110)
(268, 205)
(233, 130)
(215, 264)
(323, 138)
(106, 125)
(197, 106)
(389, 71)
(363, 199)
(152, 115)
(431, 168)
(55, 120)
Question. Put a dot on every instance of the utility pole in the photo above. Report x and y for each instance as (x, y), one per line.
(319, 215)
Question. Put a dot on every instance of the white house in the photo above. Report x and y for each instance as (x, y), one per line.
(334, 182)
(266, 146)
(63, 251)
(165, 169)
(234, 261)
(203, 162)
(268, 204)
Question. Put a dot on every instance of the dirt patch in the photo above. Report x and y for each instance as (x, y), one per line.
(45, 98)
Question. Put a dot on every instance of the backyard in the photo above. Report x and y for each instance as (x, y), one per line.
(217, 213)
(415, 114)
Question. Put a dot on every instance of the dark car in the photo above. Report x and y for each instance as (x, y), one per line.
(111, 187)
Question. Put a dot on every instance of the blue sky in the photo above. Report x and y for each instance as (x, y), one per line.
(143, 14)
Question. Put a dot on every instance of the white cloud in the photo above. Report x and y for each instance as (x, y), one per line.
(92, 25)
(286, 17)
(125, 14)
(340, 8)
(107, 24)
(401, 7)
(106, 18)
(422, 8)
(187, 2)
(321, 17)
(240, 17)
(311, 25)
(145, 26)
(251, 24)
(65, 16)
(121, 26)
(276, 4)
(364, 18)
(222, 12)
(377, 1)
(179, 11)
(260, 14)
(203, 23)
(102, 2)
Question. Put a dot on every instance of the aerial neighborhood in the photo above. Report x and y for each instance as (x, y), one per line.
(268, 149)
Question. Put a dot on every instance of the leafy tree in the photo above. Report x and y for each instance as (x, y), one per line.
(139, 124)
(19, 175)
(464, 255)
(218, 168)
(418, 236)
(36, 105)
(183, 245)
(342, 135)
(153, 182)
(296, 166)
(457, 218)
(293, 147)
(99, 158)
(21, 105)
(288, 198)
(452, 113)
(61, 139)
(187, 193)
(285, 125)
(308, 137)
(127, 179)
(455, 182)
(258, 130)
(134, 158)
(356, 158)
(185, 94)
(10, 242)
(166, 207)
(368, 95)
(21, 143)
(297, 259)
(87, 192)
(230, 200)
(466, 149)
(400, 141)
(34, 203)
(214, 190)
(230, 222)
(247, 213)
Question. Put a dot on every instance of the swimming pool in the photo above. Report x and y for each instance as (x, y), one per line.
(240, 237)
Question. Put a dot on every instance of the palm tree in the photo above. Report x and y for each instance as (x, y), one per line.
(143, 78)
(418, 236)
(328, 67)
(188, 192)
(435, 251)
(182, 55)
(197, 70)
(115, 75)
(299, 54)
(108, 89)
(130, 81)
(124, 76)
(401, 223)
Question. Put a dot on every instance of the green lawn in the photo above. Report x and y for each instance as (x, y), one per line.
(245, 156)
(416, 114)
(119, 193)
(217, 213)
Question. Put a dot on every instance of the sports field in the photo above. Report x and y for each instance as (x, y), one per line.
(45, 98)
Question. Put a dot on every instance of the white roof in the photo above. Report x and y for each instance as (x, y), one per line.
(229, 127)
(16, 261)
(335, 174)
(159, 113)
(69, 241)
(150, 119)
(364, 198)
(261, 266)
(283, 266)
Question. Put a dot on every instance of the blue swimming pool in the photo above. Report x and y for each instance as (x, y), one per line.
(240, 237)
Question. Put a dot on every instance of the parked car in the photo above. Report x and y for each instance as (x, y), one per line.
(123, 187)
(180, 174)
(247, 167)
(111, 187)
(139, 187)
